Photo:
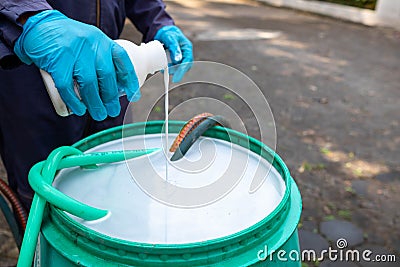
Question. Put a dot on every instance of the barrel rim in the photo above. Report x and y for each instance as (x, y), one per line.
(263, 228)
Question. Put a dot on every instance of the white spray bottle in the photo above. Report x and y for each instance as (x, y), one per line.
(147, 58)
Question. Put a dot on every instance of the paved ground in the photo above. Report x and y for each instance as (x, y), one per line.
(334, 89)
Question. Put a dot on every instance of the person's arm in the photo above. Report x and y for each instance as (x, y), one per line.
(9, 32)
(148, 16)
(13, 14)
(15, 9)
(152, 20)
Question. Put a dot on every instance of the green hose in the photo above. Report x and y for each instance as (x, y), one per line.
(41, 177)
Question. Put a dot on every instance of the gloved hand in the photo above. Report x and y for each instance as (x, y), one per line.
(69, 49)
(180, 49)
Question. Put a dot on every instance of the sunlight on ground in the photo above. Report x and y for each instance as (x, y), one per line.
(349, 163)
(306, 57)
(365, 168)
(275, 52)
(288, 43)
(353, 166)
(328, 60)
(237, 34)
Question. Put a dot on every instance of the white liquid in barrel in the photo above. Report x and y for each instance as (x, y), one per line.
(138, 216)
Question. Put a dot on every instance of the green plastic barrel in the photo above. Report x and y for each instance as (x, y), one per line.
(68, 241)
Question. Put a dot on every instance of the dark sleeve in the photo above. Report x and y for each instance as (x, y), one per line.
(148, 16)
(12, 9)
(10, 30)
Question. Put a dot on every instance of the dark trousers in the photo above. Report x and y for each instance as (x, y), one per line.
(30, 128)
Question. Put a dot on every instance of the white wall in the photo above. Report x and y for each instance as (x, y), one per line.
(387, 12)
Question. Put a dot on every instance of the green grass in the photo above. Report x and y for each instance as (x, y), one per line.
(329, 218)
(325, 150)
(369, 4)
(349, 189)
(229, 97)
(157, 109)
(345, 214)
(312, 167)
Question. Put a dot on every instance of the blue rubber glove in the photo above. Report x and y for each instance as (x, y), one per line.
(180, 49)
(68, 50)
